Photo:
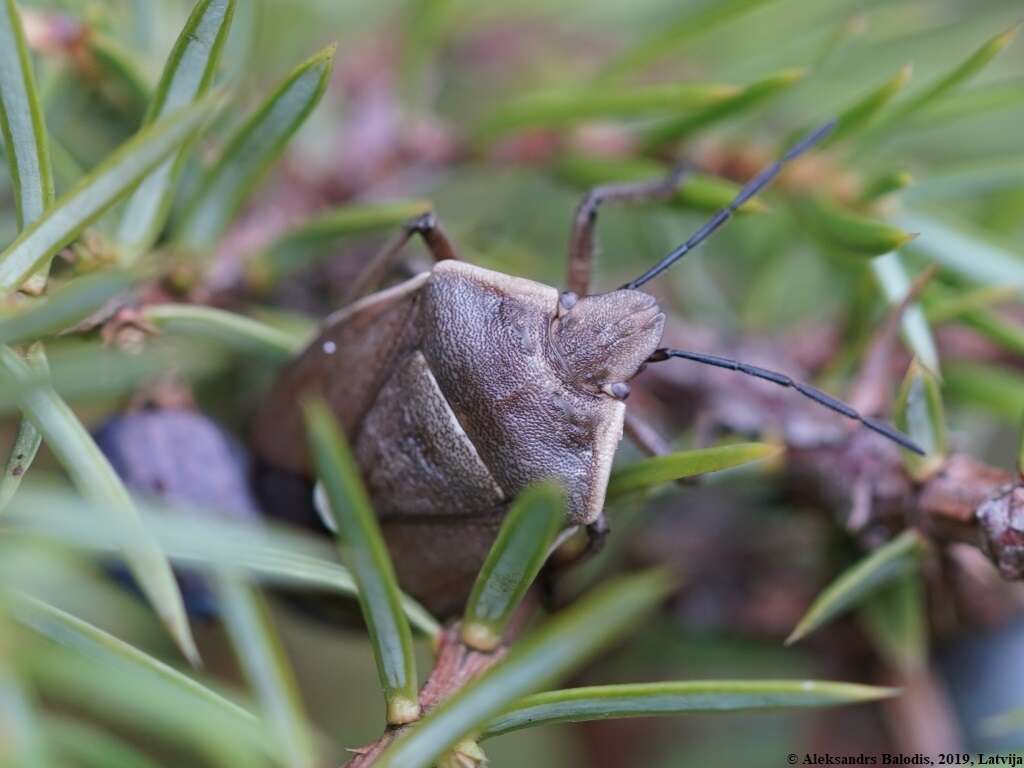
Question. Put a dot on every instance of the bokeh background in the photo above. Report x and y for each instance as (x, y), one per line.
(499, 116)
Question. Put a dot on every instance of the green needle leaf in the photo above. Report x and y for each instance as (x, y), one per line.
(992, 388)
(1000, 330)
(560, 646)
(118, 77)
(963, 252)
(23, 452)
(96, 479)
(849, 230)
(556, 109)
(1004, 724)
(702, 192)
(674, 36)
(24, 131)
(894, 281)
(896, 619)
(21, 120)
(919, 414)
(945, 306)
(64, 308)
(92, 370)
(664, 469)
(250, 152)
(1020, 453)
(964, 179)
(745, 100)
(364, 551)
(23, 741)
(233, 330)
(26, 442)
(607, 702)
(73, 632)
(28, 160)
(885, 184)
(198, 539)
(147, 703)
(998, 96)
(426, 26)
(515, 558)
(966, 70)
(187, 76)
(856, 117)
(894, 559)
(267, 669)
(323, 233)
(95, 193)
(90, 746)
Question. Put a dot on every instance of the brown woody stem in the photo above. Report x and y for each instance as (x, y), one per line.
(456, 665)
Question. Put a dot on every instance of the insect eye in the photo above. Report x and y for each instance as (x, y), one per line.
(619, 390)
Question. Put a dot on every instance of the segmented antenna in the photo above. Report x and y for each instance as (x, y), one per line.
(783, 380)
(752, 187)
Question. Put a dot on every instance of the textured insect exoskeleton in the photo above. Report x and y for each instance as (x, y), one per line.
(461, 386)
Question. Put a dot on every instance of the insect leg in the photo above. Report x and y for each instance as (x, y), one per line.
(812, 393)
(427, 227)
(573, 552)
(582, 243)
(644, 436)
(597, 535)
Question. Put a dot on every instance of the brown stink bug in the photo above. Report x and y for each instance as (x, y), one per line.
(461, 386)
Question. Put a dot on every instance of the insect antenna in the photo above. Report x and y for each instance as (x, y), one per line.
(751, 188)
(783, 380)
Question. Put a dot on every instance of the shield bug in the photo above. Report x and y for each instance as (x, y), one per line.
(461, 386)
